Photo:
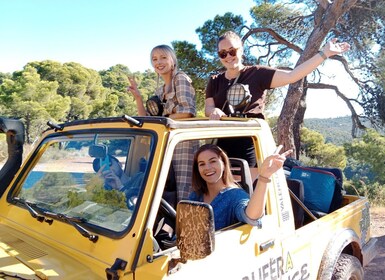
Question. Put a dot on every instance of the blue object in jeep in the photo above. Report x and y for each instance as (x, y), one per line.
(322, 192)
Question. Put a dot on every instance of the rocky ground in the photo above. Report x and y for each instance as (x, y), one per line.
(376, 269)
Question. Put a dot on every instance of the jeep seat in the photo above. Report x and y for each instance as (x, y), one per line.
(241, 172)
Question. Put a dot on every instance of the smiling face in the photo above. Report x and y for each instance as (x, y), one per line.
(162, 61)
(211, 167)
(229, 45)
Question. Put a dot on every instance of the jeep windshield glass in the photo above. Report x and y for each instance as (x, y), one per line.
(98, 177)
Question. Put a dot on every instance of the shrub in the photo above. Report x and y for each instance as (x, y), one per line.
(375, 192)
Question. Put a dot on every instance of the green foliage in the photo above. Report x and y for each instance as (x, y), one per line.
(369, 150)
(193, 62)
(375, 191)
(115, 78)
(319, 153)
(212, 29)
(380, 94)
(51, 189)
(335, 130)
(3, 148)
(75, 199)
(104, 107)
(286, 19)
(96, 192)
(109, 197)
(363, 158)
(49, 90)
(33, 100)
(51, 180)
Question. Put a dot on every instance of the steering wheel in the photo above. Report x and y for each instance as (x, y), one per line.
(164, 228)
(169, 210)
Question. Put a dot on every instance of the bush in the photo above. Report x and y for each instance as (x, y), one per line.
(375, 192)
(3, 148)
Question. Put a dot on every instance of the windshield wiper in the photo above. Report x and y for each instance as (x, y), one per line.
(75, 222)
(33, 209)
(41, 215)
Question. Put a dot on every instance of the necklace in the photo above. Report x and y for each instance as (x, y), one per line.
(233, 81)
(231, 78)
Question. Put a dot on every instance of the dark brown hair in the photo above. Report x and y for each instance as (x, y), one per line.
(198, 183)
(229, 35)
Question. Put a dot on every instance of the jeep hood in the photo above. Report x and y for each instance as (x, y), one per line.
(24, 258)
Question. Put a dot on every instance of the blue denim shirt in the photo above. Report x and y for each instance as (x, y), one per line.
(229, 207)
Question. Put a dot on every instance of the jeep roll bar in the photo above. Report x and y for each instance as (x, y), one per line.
(14, 130)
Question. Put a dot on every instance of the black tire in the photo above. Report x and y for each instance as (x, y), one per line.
(348, 268)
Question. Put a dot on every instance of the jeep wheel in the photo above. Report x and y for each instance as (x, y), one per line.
(348, 268)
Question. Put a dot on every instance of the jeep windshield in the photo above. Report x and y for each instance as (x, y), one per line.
(95, 177)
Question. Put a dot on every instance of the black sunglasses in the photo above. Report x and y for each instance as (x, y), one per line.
(223, 53)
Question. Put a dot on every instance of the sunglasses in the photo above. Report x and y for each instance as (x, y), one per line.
(223, 53)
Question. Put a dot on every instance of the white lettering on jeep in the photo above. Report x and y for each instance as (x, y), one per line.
(273, 270)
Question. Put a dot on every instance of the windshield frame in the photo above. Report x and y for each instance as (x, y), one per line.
(69, 136)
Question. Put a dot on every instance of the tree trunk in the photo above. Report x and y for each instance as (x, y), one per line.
(291, 118)
(298, 121)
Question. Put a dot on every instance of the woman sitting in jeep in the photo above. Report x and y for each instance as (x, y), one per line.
(213, 183)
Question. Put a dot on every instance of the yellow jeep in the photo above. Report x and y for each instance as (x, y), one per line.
(59, 221)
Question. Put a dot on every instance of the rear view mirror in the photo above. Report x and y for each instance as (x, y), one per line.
(195, 230)
(100, 152)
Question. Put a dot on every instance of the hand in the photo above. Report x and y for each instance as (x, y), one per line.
(110, 178)
(332, 47)
(216, 114)
(133, 87)
(273, 163)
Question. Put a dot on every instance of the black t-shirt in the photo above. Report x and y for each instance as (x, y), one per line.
(257, 77)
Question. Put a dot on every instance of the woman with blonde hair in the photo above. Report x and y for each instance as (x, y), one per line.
(177, 98)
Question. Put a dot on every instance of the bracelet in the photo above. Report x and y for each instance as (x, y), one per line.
(264, 179)
(323, 55)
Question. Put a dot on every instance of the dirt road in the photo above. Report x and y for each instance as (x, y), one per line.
(376, 269)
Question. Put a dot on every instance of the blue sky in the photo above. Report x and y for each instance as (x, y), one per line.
(99, 34)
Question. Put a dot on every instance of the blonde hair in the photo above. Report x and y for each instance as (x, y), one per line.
(167, 50)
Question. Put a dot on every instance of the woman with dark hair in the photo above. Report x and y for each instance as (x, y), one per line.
(256, 79)
(116, 179)
(213, 183)
(114, 176)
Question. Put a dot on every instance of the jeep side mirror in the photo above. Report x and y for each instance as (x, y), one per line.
(195, 230)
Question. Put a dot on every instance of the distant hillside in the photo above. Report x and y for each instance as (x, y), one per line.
(335, 130)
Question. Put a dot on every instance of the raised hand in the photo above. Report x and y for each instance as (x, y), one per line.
(110, 178)
(274, 162)
(133, 87)
(333, 47)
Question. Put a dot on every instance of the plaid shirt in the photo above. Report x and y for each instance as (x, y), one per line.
(181, 99)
